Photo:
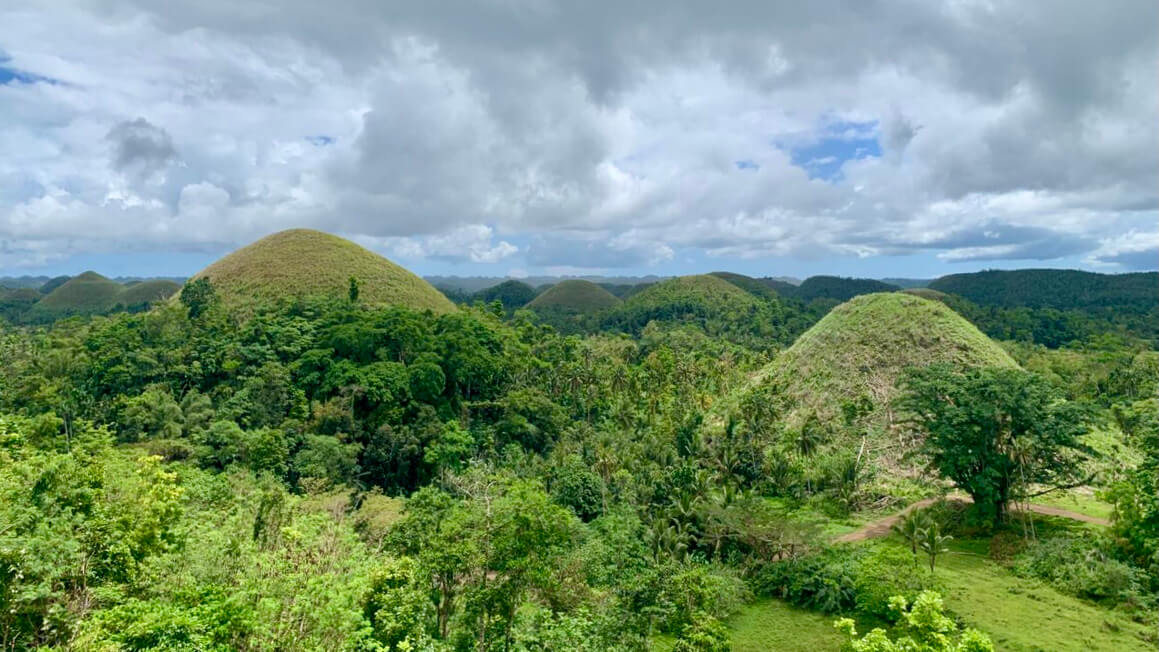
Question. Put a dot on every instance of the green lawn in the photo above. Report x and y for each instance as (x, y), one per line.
(1018, 614)
(1025, 614)
(776, 625)
(1081, 501)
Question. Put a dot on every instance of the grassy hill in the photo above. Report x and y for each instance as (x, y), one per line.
(711, 303)
(512, 294)
(301, 262)
(82, 294)
(574, 295)
(146, 292)
(856, 353)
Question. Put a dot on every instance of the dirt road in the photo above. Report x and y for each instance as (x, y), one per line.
(881, 528)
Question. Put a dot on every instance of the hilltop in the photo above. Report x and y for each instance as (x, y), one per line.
(711, 303)
(302, 263)
(511, 293)
(846, 366)
(82, 294)
(574, 295)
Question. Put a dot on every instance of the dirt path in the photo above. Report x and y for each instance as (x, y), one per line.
(881, 527)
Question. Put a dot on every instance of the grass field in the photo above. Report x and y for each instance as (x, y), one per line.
(1020, 615)
(776, 625)
(1082, 501)
(1025, 614)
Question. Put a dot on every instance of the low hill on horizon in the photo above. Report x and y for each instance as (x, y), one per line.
(574, 296)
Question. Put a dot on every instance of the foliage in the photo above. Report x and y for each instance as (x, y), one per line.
(844, 579)
(925, 626)
(1079, 566)
(994, 431)
(511, 294)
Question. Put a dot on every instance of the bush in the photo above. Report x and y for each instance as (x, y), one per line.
(1080, 567)
(843, 579)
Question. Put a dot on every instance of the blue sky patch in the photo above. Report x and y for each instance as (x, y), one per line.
(837, 143)
(320, 141)
(747, 165)
(10, 75)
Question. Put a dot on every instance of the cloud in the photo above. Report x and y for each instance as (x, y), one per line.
(473, 242)
(1133, 251)
(140, 144)
(588, 139)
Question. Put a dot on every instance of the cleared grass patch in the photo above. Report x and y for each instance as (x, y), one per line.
(1026, 614)
(778, 625)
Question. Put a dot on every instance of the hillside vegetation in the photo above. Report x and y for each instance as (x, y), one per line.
(85, 293)
(711, 303)
(838, 288)
(1061, 289)
(855, 354)
(574, 295)
(146, 292)
(512, 294)
(756, 287)
(301, 263)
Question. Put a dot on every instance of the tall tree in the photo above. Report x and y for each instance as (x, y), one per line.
(992, 430)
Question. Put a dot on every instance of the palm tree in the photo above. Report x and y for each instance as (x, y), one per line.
(910, 527)
(932, 542)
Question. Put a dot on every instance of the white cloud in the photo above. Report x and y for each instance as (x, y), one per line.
(602, 141)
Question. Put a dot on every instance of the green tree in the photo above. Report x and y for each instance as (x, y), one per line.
(452, 449)
(972, 419)
(397, 606)
(703, 634)
(198, 296)
(352, 291)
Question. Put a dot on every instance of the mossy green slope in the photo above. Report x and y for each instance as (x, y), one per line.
(856, 353)
(574, 295)
(301, 263)
(85, 293)
(703, 289)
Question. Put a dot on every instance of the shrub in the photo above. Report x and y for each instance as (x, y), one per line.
(1080, 567)
(843, 579)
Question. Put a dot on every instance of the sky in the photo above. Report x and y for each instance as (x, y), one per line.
(515, 137)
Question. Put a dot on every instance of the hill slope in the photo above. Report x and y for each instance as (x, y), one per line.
(1061, 289)
(712, 303)
(512, 294)
(841, 289)
(574, 295)
(849, 362)
(147, 292)
(82, 294)
(302, 262)
(757, 287)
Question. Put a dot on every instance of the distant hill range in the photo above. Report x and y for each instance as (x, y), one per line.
(1047, 306)
(1061, 289)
